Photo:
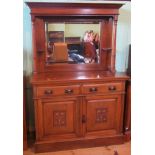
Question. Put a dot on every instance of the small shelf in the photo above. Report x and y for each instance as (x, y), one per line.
(106, 49)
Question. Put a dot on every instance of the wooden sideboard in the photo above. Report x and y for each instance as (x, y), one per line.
(77, 105)
(71, 112)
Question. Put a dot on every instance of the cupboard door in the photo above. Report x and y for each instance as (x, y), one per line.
(103, 113)
(57, 118)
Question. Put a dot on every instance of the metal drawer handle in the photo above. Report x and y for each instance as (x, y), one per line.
(94, 89)
(68, 91)
(48, 92)
(112, 88)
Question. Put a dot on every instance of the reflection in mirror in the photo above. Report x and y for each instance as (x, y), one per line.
(73, 43)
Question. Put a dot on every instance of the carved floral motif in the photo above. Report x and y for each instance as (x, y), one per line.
(101, 115)
(59, 118)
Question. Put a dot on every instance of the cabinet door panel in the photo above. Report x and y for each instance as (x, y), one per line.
(57, 117)
(101, 114)
(104, 113)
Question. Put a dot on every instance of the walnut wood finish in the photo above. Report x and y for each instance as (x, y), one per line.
(93, 110)
(106, 14)
(78, 105)
(102, 88)
(49, 91)
(103, 113)
(127, 117)
(78, 143)
(25, 145)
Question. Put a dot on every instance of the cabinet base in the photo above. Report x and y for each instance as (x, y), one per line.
(76, 144)
(127, 136)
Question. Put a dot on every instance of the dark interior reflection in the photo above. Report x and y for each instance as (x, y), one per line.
(65, 46)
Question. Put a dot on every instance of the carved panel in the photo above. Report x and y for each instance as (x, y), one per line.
(59, 118)
(101, 115)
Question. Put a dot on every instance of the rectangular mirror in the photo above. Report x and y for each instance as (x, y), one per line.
(73, 42)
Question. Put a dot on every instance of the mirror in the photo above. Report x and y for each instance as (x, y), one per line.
(72, 42)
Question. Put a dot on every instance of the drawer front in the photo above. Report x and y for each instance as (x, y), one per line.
(102, 88)
(58, 90)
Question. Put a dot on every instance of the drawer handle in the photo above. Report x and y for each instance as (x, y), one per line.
(48, 92)
(112, 88)
(94, 89)
(68, 91)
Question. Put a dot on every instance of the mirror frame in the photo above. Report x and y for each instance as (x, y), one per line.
(106, 12)
(102, 65)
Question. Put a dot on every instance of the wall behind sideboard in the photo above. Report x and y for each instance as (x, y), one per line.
(122, 48)
(123, 37)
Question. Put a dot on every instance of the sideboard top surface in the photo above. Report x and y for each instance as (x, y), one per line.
(94, 76)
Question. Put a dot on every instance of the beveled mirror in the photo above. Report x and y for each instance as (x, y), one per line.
(72, 42)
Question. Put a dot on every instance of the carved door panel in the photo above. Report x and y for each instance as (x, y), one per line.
(103, 114)
(57, 118)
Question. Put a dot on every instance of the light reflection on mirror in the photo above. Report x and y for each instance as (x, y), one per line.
(73, 43)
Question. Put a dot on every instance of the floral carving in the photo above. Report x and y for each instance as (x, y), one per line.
(59, 119)
(101, 115)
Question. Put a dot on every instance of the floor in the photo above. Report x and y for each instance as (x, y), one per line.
(123, 149)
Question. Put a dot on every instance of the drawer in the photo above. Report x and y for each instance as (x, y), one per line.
(102, 88)
(58, 90)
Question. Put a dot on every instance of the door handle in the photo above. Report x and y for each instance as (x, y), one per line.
(84, 119)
